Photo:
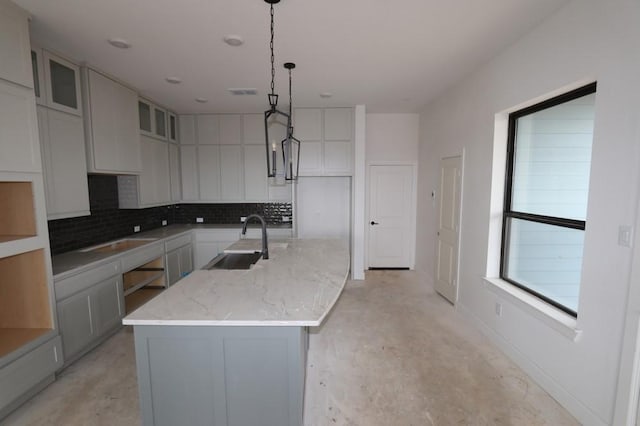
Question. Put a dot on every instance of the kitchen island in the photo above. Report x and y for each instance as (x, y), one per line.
(228, 347)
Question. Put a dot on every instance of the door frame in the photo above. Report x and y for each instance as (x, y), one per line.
(460, 216)
(414, 204)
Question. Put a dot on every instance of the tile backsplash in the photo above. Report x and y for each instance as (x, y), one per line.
(107, 222)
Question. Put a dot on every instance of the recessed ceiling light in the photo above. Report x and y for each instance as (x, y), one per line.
(173, 80)
(120, 43)
(233, 40)
(325, 95)
(202, 100)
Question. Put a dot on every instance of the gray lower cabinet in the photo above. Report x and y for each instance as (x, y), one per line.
(179, 263)
(248, 376)
(87, 316)
(28, 375)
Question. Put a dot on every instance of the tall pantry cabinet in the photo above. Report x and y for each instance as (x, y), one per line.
(30, 347)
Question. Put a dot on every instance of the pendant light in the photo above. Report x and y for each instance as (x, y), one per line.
(290, 145)
(270, 145)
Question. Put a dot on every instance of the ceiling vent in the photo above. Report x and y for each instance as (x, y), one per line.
(244, 91)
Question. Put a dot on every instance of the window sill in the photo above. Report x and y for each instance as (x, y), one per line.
(560, 321)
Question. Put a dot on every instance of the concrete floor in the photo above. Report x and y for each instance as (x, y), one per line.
(391, 353)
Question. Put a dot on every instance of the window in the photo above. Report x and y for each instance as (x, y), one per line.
(546, 193)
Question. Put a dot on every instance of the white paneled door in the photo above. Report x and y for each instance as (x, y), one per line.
(449, 228)
(391, 216)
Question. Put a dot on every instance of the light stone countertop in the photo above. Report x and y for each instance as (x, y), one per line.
(297, 286)
(75, 261)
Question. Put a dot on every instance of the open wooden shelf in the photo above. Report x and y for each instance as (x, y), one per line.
(17, 212)
(14, 338)
(25, 312)
(140, 297)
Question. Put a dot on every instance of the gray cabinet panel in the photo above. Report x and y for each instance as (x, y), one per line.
(18, 379)
(186, 260)
(231, 376)
(172, 265)
(76, 323)
(107, 304)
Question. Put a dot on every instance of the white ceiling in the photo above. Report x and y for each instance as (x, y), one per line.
(392, 55)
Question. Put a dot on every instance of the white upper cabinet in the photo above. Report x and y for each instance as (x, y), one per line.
(337, 124)
(187, 129)
(189, 172)
(209, 172)
(153, 119)
(208, 129)
(327, 141)
(230, 129)
(174, 172)
(255, 173)
(308, 124)
(64, 164)
(253, 129)
(62, 84)
(18, 123)
(231, 173)
(154, 180)
(15, 62)
(111, 125)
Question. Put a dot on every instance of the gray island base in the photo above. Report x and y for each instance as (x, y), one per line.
(221, 375)
(229, 348)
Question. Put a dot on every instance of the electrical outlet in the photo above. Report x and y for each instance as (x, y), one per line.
(136, 228)
(498, 309)
(164, 223)
(243, 219)
(286, 219)
(199, 220)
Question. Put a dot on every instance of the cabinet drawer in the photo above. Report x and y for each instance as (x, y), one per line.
(20, 376)
(66, 287)
(141, 257)
(177, 242)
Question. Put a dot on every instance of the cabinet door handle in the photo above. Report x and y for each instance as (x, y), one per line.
(374, 223)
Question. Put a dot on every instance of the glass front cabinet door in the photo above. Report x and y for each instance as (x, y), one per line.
(62, 83)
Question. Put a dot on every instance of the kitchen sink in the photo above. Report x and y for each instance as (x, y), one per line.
(234, 261)
(119, 245)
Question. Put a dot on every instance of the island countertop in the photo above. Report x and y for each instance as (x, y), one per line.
(297, 286)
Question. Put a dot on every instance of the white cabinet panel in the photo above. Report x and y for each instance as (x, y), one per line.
(311, 158)
(15, 49)
(64, 164)
(255, 173)
(337, 124)
(154, 179)
(205, 251)
(209, 172)
(187, 129)
(231, 173)
(111, 125)
(308, 124)
(19, 143)
(253, 128)
(174, 172)
(230, 129)
(337, 158)
(189, 172)
(207, 129)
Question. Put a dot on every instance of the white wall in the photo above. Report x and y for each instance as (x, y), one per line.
(586, 40)
(392, 137)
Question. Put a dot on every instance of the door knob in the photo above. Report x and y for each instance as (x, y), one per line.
(374, 223)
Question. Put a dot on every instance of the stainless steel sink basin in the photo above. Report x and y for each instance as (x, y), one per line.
(119, 245)
(234, 261)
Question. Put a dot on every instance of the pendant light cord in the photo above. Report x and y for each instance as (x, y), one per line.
(290, 94)
(273, 69)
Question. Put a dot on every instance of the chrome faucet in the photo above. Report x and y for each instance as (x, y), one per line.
(265, 246)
